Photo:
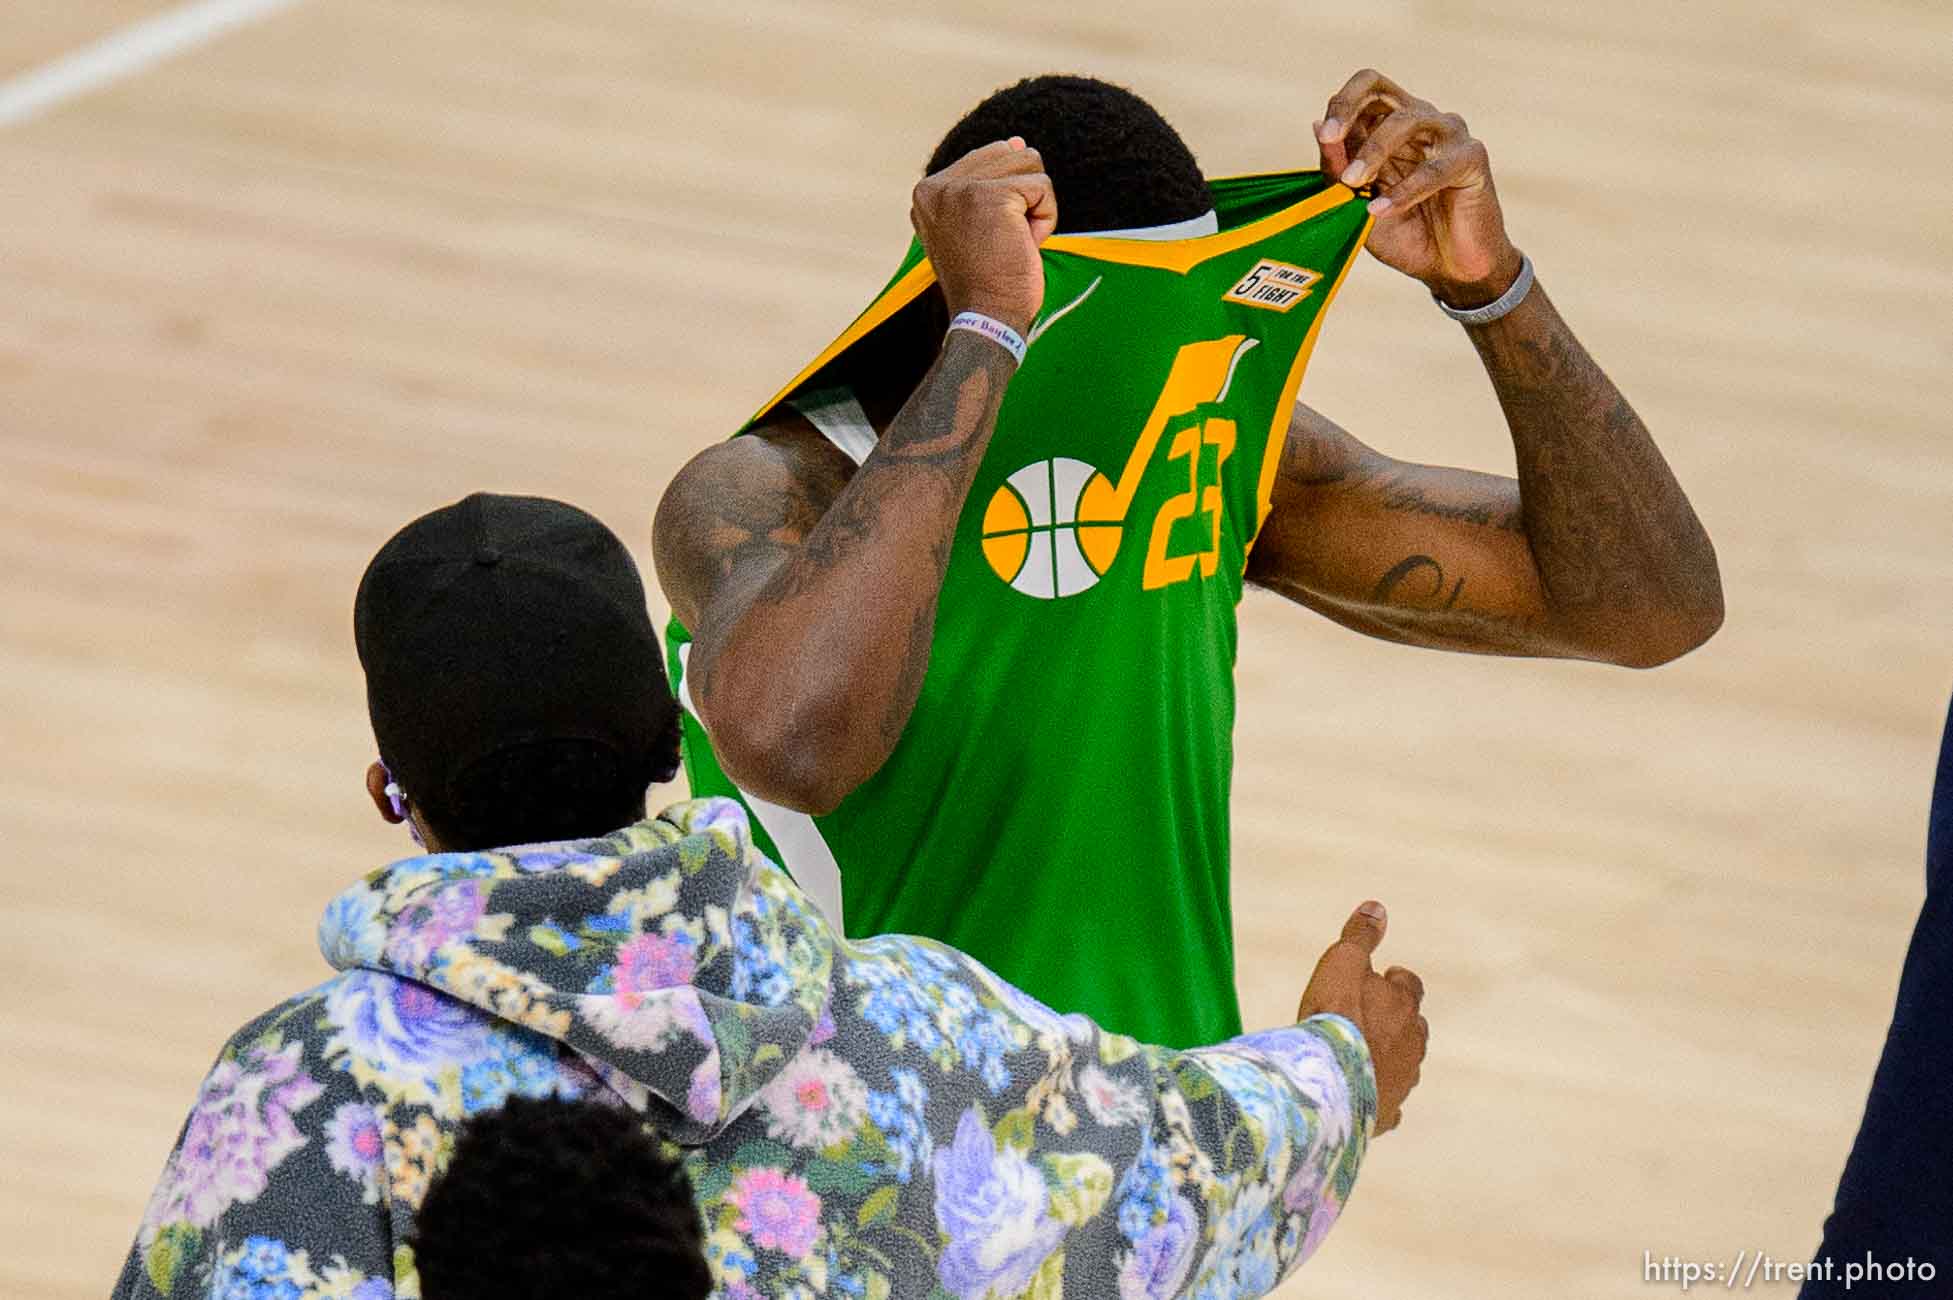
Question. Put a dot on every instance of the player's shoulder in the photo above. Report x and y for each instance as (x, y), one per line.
(785, 455)
(774, 481)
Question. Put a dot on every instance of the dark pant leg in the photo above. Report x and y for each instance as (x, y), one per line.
(1896, 1196)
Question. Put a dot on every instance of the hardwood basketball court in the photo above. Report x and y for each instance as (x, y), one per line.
(269, 298)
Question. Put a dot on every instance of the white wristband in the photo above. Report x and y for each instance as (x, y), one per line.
(1491, 311)
(995, 330)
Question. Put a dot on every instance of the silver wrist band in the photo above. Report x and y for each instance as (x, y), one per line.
(1504, 303)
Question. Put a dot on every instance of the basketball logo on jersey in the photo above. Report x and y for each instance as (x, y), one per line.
(1274, 286)
(1052, 529)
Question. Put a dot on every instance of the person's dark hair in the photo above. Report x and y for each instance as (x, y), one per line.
(1114, 161)
(560, 1198)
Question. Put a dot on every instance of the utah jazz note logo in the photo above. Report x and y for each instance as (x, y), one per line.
(1054, 527)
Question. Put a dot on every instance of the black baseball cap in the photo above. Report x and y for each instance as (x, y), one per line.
(505, 627)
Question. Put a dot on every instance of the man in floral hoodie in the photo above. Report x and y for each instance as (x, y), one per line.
(872, 1120)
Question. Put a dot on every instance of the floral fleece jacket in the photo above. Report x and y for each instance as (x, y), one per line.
(864, 1120)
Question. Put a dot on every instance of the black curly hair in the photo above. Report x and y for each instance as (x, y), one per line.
(1114, 161)
(560, 1198)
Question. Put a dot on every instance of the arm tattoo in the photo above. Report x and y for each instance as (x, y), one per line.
(819, 590)
(1331, 567)
(913, 668)
(752, 531)
(737, 513)
(1610, 528)
(1397, 492)
(1417, 602)
(933, 442)
(1594, 552)
(1422, 567)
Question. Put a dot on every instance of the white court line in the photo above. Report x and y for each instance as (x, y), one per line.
(125, 53)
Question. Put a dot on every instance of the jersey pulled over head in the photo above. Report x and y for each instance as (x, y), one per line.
(1058, 804)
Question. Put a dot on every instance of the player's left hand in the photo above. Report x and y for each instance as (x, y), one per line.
(1438, 217)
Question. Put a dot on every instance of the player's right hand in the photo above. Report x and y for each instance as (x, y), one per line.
(1386, 1007)
(981, 220)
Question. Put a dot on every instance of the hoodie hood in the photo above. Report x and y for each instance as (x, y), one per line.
(684, 967)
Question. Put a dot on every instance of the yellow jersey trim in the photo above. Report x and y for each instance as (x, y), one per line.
(1179, 255)
(1183, 255)
(1271, 453)
(897, 296)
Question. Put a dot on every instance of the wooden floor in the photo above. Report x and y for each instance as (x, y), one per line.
(262, 304)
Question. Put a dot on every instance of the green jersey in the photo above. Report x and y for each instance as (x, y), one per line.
(1057, 806)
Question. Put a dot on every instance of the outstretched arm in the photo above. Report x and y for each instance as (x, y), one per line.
(1308, 1099)
(811, 596)
(1304, 1098)
(1592, 552)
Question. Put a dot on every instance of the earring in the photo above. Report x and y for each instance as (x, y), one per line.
(395, 795)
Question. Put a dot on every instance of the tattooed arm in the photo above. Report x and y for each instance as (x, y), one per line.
(810, 594)
(1593, 552)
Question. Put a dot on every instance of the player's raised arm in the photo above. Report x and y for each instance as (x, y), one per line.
(1592, 552)
(810, 596)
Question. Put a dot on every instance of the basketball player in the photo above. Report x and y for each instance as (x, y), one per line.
(975, 689)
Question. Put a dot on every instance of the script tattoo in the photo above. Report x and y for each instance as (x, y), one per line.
(1423, 568)
(1417, 600)
(1396, 493)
